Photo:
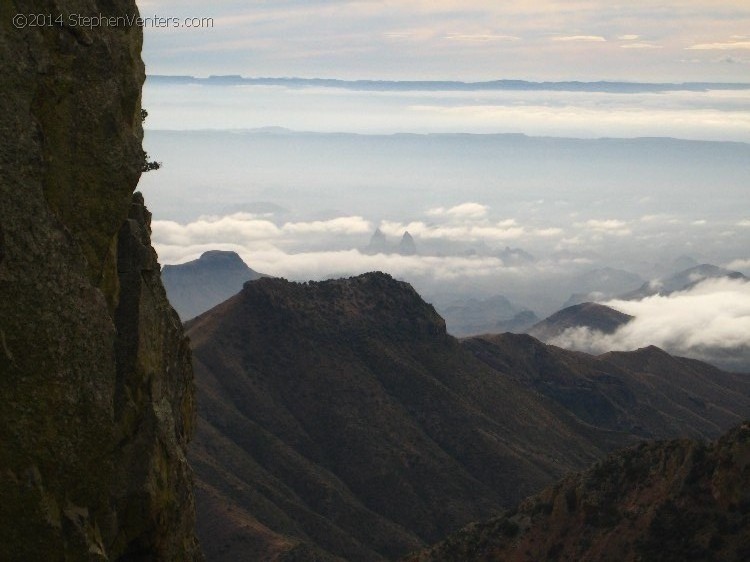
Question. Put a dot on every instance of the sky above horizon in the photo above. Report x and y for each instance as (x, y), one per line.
(639, 40)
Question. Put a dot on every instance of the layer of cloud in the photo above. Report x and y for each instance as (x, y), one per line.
(706, 321)
(641, 45)
(696, 115)
(502, 231)
(612, 227)
(463, 211)
(241, 228)
(739, 265)
(723, 46)
(323, 264)
(580, 39)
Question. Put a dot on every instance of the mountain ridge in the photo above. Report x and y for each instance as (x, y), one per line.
(448, 85)
(340, 415)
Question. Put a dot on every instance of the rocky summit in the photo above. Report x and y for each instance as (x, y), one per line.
(95, 376)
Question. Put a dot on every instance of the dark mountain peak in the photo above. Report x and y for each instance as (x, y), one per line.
(586, 315)
(369, 303)
(407, 246)
(378, 243)
(373, 302)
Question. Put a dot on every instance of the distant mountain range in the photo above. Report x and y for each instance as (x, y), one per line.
(602, 284)
(674, 500)
(681, 281)
(443, 86)
(470, 317)
(339, 421)
(196, 286)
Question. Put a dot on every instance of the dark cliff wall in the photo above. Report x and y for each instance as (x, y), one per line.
(96, 388)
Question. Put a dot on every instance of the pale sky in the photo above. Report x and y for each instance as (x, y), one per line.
(638, 40)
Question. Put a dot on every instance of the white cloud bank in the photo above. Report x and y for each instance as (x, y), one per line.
(241, 228)
(708, 321)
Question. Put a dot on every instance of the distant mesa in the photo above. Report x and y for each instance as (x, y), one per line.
(379, 244)
(199, 285)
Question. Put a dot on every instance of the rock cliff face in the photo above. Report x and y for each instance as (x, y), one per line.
(95, 379)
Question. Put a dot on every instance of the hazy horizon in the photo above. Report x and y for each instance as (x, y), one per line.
(522, 190)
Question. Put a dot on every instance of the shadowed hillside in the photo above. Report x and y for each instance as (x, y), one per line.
(675, 500)
(646, 392)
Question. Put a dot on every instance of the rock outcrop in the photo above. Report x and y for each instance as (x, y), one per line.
(95, 378)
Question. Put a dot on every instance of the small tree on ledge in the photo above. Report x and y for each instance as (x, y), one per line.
(147, 165)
